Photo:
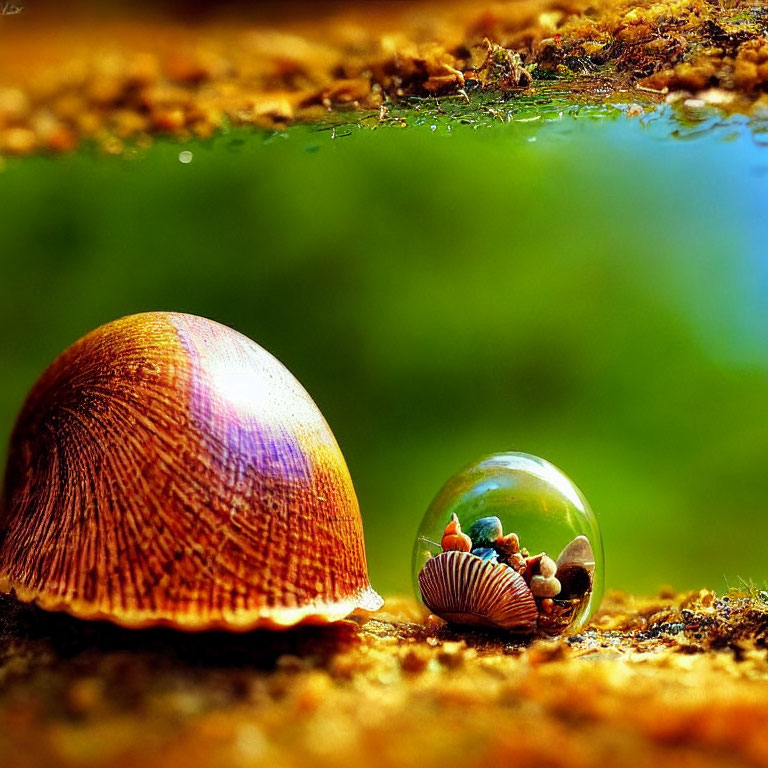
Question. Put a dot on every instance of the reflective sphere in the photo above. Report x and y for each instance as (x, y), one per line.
(510, 543)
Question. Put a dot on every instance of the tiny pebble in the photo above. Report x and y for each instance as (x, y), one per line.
(414, 660)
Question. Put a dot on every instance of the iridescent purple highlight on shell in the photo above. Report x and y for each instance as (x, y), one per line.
(247, 419)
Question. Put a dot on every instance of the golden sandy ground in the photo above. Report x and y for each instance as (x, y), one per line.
(669, 681)
(114, 80)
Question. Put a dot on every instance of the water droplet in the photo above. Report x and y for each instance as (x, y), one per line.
(185, 156)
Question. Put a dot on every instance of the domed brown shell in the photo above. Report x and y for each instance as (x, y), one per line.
(167, 470)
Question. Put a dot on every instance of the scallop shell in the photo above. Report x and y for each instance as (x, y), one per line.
(167, 470)
(463, 589)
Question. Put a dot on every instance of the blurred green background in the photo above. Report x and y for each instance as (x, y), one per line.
(594, 291)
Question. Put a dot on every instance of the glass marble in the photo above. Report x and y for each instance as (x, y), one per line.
(557, 552)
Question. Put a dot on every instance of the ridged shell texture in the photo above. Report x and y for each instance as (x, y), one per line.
(463, 589)
(167, 470)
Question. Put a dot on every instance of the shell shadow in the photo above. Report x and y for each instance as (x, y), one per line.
(60, 637)
(484, 638)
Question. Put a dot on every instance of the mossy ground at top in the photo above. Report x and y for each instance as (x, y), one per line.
(143, 77)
